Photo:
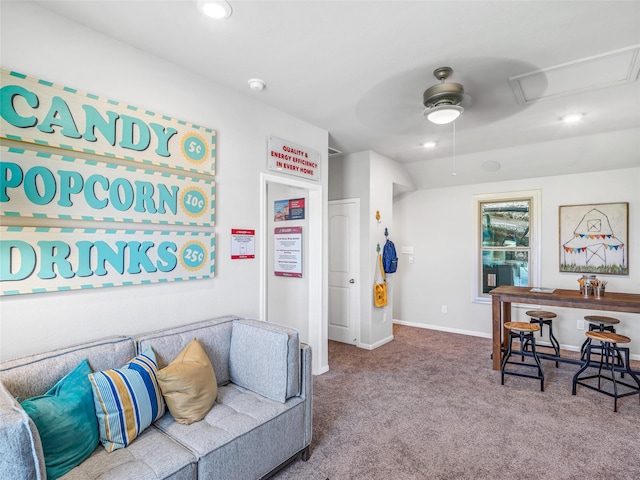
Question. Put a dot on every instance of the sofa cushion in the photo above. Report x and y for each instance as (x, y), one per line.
(189, 384)
(127, 400)
(236, 412)
(152, 456)
(243, 436)
(214, 335)
(44, 370)
(265, 358)
(66, 421)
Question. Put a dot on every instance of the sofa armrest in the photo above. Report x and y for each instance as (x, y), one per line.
(306, 390)
(264, 357)
(21, 456)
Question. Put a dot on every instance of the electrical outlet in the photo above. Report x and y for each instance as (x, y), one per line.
(580, 325)
(384, 317)
(444, 309)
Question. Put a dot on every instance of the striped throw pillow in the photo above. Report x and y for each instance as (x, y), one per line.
(127, 400)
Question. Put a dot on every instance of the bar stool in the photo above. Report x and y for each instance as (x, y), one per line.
(525, 332)
(598, 323)
(542, 317)
(608, 349)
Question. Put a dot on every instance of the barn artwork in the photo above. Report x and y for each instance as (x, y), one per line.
(594, 238)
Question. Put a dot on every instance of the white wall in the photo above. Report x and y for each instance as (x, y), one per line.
(349, 178)
(438, 223)
(370, 177)
(40, 44)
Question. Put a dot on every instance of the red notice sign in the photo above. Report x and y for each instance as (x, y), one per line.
(243, 244)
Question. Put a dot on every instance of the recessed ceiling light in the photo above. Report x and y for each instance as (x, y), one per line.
(218, 9)
(572, 117)
(429, 144)
(256, 84)
(491, 166)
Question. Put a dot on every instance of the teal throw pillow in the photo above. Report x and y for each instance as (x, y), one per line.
(66, 421)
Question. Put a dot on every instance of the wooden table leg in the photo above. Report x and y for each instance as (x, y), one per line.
(496, 331)
(501, 313)
(506, 317)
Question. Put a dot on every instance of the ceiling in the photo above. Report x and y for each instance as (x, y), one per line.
(359, 68)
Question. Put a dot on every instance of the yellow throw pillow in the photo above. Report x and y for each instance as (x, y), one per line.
(189, 384)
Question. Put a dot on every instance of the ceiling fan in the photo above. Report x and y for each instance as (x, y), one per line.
(443, 102)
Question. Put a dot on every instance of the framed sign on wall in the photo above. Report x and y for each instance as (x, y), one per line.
(594, 238)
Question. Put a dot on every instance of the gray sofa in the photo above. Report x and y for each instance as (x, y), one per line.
(261, 419)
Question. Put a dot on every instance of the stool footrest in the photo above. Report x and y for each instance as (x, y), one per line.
(518, 374)
(526, 338)
(634, 388)
(608, 350)
(522, 365)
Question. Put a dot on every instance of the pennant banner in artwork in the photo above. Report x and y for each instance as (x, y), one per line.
(42, 259)
(584, 249)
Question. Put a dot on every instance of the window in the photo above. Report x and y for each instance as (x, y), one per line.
(507, 241)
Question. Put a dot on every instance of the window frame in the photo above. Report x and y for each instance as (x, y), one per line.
(533, 196)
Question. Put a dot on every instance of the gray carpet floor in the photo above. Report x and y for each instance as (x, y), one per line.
(429, 406)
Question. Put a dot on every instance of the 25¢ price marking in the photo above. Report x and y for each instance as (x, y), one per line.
(193, 256)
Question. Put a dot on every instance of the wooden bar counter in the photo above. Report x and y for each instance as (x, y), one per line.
(504, 296)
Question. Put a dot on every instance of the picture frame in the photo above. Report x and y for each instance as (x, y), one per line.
(594, 238)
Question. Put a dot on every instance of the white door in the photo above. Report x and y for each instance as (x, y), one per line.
(344, 285)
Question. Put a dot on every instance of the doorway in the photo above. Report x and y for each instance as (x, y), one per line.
(303, 309)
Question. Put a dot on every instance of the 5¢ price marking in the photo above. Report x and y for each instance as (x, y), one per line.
(194, 148)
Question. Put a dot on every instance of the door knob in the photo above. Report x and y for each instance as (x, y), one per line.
(352, 281)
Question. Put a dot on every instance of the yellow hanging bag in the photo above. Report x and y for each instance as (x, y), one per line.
(380, 289)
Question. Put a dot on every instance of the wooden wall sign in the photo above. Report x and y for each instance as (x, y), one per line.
(43, 259)
(43, 185)
(134, 168)
(40, 112)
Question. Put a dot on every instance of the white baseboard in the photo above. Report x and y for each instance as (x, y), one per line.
(443, 329)
(570, 348)
(377, 344)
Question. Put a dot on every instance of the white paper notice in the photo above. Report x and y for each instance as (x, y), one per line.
(288, 252)
(243, 244)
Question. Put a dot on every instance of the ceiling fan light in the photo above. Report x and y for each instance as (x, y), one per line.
(443, 114)
(217, 9)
